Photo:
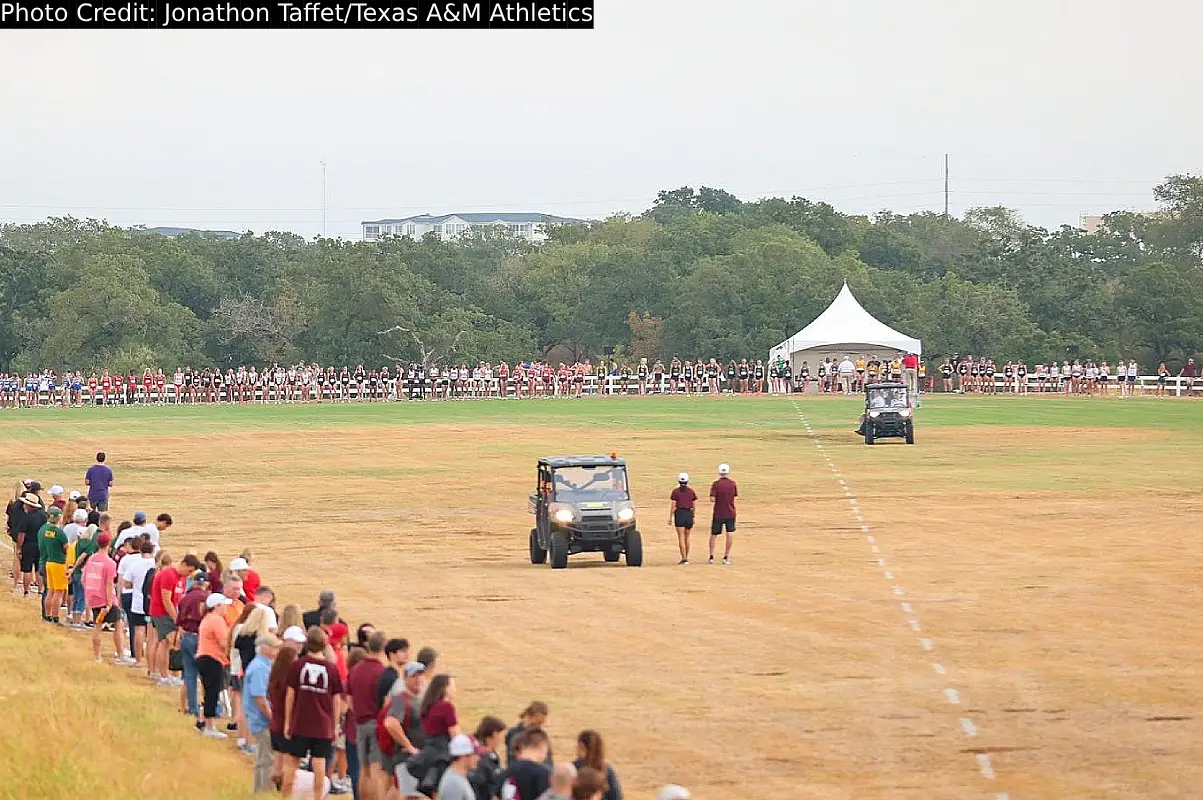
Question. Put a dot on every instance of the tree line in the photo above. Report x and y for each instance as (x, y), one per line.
(700, 273)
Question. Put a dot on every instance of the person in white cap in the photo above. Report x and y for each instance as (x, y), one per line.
(683, 499)
(294, 637)
(454, 784)
(673, 792)
(213, 657)
(722, 494)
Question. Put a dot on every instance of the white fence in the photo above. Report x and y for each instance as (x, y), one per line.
(590, 386)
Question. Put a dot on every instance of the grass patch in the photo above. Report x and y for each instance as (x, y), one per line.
(76, 729)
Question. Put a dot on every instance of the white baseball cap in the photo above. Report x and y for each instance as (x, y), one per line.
(79, 516)
(461, 745)
(294, 634)
(217, 599)
(673, 792)
(75, 494)
(724, 469)
(56, 490)
(239, 564)
(683, 477)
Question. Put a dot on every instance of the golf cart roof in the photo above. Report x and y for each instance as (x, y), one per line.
(886, 385)
(557, 462)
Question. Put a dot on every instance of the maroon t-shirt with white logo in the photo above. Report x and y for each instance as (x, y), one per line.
(316, 683)
(684, 497)
(724, 493)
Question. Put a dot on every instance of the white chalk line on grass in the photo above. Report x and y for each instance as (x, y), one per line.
(951, 695)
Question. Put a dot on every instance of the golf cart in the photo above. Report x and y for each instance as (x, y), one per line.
(582, 504)
(888, 412)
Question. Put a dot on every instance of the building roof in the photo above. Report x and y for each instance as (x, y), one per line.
(508, 218)
(846, 323)
(172, 232)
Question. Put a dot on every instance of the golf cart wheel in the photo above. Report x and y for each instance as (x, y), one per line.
(537, 554)
(868, 432)
(611, 555)
(910, 432)
(559, 550)
(634, 548)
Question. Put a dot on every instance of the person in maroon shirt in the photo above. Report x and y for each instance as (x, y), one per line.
(312, 702)
(723, 493)
(680, 514)
(362, 681)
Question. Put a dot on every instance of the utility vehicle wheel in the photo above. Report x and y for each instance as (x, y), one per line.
(537, 554)
(634, 548)
(559, 550)
(910, 432)
(868, 432)
(611, 555)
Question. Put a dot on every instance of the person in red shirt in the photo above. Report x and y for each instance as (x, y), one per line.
(312, 704)
(680, 513)
(251, 582)
(365, 707)
(910, 375)
(723, 493)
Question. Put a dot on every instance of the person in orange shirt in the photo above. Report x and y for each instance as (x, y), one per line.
(212, 657)
(232, 589)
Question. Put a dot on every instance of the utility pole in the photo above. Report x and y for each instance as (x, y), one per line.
(946, 184)
(324, 199)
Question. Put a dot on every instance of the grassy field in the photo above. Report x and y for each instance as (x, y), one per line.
(1046, 549)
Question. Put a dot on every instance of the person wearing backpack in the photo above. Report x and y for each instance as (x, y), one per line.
(399, 729)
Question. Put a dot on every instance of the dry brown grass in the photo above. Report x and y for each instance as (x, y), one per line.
(1055, 571)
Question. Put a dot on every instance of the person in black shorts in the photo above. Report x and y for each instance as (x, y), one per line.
(723, 493)
(683, 500)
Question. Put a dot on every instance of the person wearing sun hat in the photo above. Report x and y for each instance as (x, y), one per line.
(680, 513)
(33, 517)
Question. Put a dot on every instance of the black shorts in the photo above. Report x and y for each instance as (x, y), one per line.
(29, 560)
(716, 526)
(1131, 379)
(279, 743)
(109, 618)
(301, 746)
(683, 518)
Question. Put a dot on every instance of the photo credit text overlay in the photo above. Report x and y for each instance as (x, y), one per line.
(531, 14)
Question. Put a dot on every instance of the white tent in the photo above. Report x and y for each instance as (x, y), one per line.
(845, 328)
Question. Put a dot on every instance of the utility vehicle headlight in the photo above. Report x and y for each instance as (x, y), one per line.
(626, 515)
(564, 515)
(906, 412)
(874, 414)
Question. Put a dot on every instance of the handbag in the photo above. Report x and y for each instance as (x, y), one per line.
(175, 660)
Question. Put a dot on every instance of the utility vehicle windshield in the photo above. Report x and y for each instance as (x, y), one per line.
(591, 484)
(887, 398)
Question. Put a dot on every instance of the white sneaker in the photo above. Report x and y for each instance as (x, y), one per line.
(213, 733)
(154, 676)
(165, 682)
(176, 681)
(727, 561)
(125, 661)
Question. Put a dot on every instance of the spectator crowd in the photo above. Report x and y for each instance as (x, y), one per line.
(321, 708)
(311, 383)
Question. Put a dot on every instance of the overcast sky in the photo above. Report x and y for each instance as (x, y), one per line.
(1056, 108)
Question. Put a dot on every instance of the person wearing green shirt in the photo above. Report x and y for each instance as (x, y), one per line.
(52, 550)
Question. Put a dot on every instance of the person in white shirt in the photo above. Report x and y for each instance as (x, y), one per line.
(847, 369)
(139, 527)
(79, 521)
(131, 574)
(1132, 370)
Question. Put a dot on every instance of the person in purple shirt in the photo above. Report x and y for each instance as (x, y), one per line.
(99, 478)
